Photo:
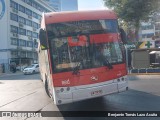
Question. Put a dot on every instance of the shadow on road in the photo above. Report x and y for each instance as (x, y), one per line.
(131, 100)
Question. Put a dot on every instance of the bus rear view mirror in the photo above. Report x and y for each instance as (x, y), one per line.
(123, 36)
(42, 38)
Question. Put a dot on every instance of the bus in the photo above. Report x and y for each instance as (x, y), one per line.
(81, 55)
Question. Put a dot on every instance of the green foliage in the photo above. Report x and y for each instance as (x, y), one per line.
(133, 12)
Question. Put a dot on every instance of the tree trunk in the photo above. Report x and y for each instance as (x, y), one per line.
(137, 25)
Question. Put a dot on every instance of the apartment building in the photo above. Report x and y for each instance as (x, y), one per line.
(147, 31)
(19, 27)
(56, 4)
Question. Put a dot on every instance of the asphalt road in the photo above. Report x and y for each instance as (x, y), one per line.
(20, 92)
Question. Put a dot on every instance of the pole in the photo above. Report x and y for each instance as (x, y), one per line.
(126, 49)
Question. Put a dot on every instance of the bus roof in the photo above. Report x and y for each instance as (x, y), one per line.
(57, 17)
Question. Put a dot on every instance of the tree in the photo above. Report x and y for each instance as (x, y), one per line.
(133, 11)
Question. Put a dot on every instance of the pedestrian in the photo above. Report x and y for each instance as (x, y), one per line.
(3, 68)
(13, 67)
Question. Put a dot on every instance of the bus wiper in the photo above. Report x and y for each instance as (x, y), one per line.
(108, 64)
(76, 69)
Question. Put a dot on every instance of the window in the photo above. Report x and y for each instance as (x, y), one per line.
(23, 54)
(29, 33)
(67, 54)
(22, 42)
(35, 44)
(14, 53)
(29, 54)
(29, 2)
(21, 8)
(29, 44)
(83, 27)
(22, 20)
(14, 29)
(35, 35)
(14, 5)
(35, 25)
(149, 35)
(40, 8)
(35, 15)
(39, 17)
(147, 27)
(22, 31)
(29, 22)
(28, 12)
(14, 17)
(34, 5)
(14, 41)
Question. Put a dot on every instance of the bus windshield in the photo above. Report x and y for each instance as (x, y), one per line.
(71, 45)
(82, 27)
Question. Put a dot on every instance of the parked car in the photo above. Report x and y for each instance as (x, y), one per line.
(34, 68)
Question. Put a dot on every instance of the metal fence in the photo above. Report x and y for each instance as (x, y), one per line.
(145, 70)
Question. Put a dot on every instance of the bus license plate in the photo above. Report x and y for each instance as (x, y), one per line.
(97, 92)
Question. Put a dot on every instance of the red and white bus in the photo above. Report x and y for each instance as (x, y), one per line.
(81, 55)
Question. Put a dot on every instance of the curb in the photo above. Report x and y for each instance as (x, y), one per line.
(8, 74)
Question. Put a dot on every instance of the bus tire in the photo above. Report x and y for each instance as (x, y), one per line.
(46, 88)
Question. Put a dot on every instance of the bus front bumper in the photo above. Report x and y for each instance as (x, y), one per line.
(78, 93)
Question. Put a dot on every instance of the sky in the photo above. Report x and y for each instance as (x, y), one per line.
(91, 5)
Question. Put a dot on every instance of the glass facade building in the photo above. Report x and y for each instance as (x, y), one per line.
(64, 5)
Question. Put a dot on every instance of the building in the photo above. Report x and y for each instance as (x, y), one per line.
(64, 5)
(20, 23)
(147, 31)
(56, 4)
(150, 33)
(151, 30)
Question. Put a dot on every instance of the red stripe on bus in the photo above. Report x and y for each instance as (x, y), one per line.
(85, 77)
(58, 17)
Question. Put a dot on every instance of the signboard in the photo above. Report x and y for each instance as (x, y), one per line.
(130, 46)
(146, 44)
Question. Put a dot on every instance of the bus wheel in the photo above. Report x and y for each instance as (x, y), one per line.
(46, 88)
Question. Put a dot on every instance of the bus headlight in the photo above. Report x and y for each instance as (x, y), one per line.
(64, 89)
(122, 79)
(61, 89)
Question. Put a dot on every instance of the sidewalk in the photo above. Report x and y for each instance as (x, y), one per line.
(10, 73)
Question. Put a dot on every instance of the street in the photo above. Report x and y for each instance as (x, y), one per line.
(26, 93)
